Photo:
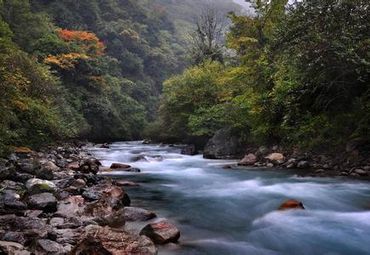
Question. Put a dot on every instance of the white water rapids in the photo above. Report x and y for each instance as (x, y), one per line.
(221, 211)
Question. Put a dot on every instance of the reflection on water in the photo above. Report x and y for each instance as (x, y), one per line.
(234, 211)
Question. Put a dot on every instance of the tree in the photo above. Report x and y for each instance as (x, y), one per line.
(206, 42)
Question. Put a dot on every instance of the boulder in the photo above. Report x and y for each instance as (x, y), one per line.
(189, 150)
(291, 204)
(73, 205)
(249, 159)
(119, 166)
(35, 186)
(161, 232)
(126, 183)
(28, 166)
(12, 248)
(138, 214)
(223, 145)
(47, 170)
(49, 247)
(90, 165)
(10, 199)
(360, 172)
(303, 164)
(17, 237)
(108, 241)
(276, 158)
(6, 172)
(43, 201)
(75, 166)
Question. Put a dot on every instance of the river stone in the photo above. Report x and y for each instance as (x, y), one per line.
(10, 199)
(276, 158)
(108, 241)
(119, 166)
(223, 145)
(303, 164)
(35, 186)
(12, 248)
(249, 159)
(360, 172)
(161, 232)
(43, 201)
(291, 204)
(138, 214)
(49, 247)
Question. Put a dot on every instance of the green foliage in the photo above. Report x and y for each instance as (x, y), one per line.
(300, 78)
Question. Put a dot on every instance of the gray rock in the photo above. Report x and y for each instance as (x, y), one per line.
(17, 237)
(303, 164)
(6, 172)
(223, 145)
(161, 232)
(248, 160)
(138, 214)
(49, 247)
(360, 172)
(12, 248)
(11, 200)
(43, 201)
(35, 186)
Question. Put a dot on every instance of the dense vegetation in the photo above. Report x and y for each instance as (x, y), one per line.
(86, 69)
(300, 78)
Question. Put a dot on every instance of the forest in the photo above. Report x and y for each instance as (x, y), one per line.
(299, 77)
(293, 74)
(86, 69)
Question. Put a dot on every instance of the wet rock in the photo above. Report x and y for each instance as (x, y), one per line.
(291, 204)
(119, 166)
(28, 166)
(73, 205)
(12, 248)
(108, 241)
(35, 186)
(262, 150)
(127, 183)
(43, 201)
(47, 171)
(360, 172)
(276, 157)
(7, 184)
(17, 237)
(303, 164)
(105, 146)
(10, 199)
(249, 159)
(138, 214)
(62, 223)
(6, 172)
(269, 165)
(113, 219)
(90, 165)
(291, 163)
(189, 150)
(223, 145)
(161, 232)
(75, 166)
(49, 247)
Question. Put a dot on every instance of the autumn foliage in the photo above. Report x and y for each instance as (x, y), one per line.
(84, 45)
(87, 40)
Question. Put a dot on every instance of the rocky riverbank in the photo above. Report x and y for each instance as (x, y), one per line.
(55, 202)
(347, 164)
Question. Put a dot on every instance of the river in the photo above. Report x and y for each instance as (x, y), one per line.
(221, 211)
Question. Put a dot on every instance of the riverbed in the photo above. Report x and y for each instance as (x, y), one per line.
(233, 211)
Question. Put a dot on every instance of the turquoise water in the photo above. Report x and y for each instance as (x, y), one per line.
(234, 211)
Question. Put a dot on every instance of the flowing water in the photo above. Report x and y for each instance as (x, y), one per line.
(234, 211)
